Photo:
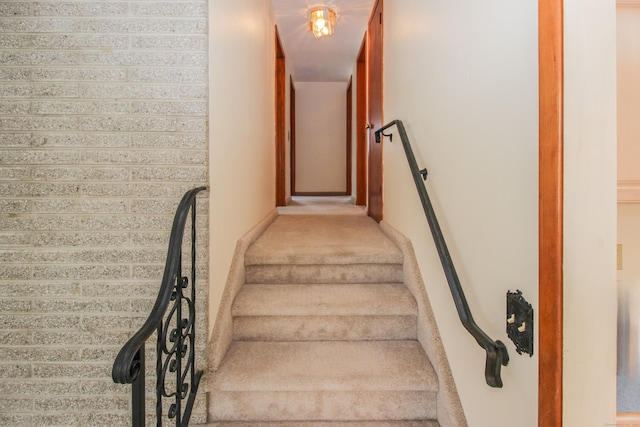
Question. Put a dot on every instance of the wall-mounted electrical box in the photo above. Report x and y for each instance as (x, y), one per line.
(520, 322)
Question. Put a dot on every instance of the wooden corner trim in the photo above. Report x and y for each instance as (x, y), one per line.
(551, 92)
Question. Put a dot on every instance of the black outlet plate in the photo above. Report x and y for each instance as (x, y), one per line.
(520, 322)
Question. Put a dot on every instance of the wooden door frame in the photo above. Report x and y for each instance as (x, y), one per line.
(349, 132)
(375, 176)
(292, 135)
(550, 211)
(280, 143)
(361, 123)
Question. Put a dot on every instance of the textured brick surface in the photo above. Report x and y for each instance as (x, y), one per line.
(103, 121)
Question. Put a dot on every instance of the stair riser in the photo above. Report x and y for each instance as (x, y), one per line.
(335, 273)
(323, 328)
(322, 406)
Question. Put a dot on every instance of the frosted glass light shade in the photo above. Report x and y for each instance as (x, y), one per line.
(322, 21)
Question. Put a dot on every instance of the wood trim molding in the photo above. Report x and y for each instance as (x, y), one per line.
(628, 191)
(280, 144)
(628, 419)
(361, 121)
(628, 3)
(375, 109)
(349, 131)
(550, 247)
(292, 138)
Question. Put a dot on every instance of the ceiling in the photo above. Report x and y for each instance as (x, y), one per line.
(329, 59)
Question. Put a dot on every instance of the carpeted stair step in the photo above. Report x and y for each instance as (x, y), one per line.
(326, 424)
(323, 333)
(323, 249)
(317, 239)
(323, 381)
(323, 273)
(324, 312)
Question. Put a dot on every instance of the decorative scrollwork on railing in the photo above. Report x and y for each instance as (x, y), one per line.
(176, 353)
(173, 317)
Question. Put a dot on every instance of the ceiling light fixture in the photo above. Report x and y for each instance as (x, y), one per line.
(322, 21)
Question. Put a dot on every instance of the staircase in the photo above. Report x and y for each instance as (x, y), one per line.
(324, 332)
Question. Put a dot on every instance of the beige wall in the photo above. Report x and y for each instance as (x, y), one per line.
(628, 61)
(590, 213)
(241, 123)
(468, 98)
(320, 137)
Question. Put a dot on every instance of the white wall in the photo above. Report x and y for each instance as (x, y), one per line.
(589, 213)
(321, 137)
(241, 128)
(463, 77)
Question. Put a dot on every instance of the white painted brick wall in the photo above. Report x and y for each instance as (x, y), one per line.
(103, 127)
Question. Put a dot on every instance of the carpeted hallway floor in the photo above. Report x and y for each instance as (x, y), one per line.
(321, 205)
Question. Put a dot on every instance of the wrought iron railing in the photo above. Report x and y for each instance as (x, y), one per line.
(173, 319)
(497, 355)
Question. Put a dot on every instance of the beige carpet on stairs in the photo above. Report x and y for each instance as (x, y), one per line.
(324, 332)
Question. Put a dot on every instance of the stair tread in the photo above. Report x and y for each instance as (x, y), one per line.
(318, 239)
(425, 423)
(325, 365)
(324, 299)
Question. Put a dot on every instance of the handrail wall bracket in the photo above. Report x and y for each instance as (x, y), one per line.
(497, 355)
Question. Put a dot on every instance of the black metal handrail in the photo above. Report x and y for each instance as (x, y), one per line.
(497, 355)
(175, 332)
